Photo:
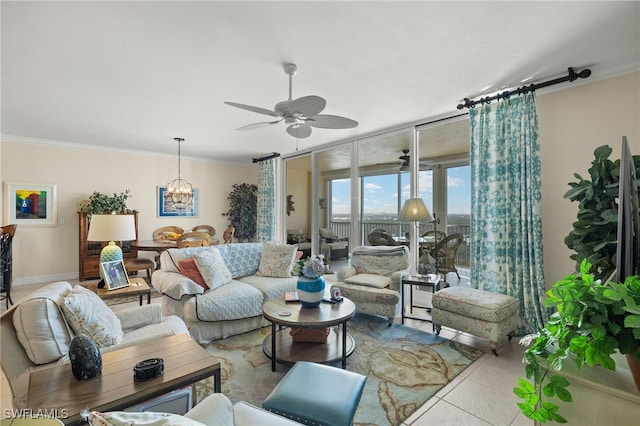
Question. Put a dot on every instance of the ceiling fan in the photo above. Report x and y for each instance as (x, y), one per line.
(300, 114)
(405, 162)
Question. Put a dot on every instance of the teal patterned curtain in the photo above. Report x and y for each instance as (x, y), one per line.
(266, 227)
(506, 229)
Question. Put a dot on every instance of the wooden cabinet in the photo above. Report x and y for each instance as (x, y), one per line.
(89, 251)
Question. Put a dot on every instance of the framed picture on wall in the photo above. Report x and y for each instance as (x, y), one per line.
(167, 209)
(31, 204)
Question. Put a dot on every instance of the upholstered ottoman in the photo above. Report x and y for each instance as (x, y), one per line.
(481, 313)
(316, 394)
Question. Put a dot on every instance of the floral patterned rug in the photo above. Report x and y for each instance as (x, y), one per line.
(404, 368)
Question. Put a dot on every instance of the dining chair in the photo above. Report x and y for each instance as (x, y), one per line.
(6, 275)
(228, 234)
(164, 232)
(194, 239)
(204, 228)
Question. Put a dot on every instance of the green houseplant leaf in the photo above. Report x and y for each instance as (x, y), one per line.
(592, 321)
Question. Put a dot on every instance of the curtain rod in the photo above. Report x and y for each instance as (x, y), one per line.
(585, 73)
(268, 157)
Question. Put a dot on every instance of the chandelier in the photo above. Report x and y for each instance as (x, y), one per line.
(179, 191)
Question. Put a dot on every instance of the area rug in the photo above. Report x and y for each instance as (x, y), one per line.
(404, 368)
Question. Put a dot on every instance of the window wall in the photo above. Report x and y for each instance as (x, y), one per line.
(355, 197)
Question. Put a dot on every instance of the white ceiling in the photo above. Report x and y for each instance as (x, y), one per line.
(134, 75)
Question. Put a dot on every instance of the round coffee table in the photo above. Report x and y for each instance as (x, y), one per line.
(279, 345)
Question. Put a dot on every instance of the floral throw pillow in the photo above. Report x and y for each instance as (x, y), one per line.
(277, 260)
(212, 268)
(88, 314)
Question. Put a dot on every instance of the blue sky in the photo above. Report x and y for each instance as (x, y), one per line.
(381, 192)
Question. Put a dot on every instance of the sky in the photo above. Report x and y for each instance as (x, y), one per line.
(381, 192)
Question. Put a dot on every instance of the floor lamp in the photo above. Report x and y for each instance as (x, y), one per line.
(415, 210)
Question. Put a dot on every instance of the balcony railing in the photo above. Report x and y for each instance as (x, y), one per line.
(463, 257)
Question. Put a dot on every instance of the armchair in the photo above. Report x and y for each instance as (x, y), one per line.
(374, 280)
(37, 331)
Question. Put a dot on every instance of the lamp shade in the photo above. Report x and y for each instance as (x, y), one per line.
(112, 227)
(415, 210)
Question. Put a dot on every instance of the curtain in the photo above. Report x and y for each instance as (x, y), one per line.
(266, 220)
(506, 227)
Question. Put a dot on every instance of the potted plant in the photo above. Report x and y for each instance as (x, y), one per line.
(101, 203)
(594, 233)
(242, 212)
(593, 320)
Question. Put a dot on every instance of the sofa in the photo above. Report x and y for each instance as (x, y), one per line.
(36, 332)
(214, 410)
(219, 290)
(373, 281)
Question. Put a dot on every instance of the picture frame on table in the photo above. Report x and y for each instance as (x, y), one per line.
(114, 274)
(31, 204)
(166, 209)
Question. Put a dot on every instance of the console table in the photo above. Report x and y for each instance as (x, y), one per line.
(185, 362)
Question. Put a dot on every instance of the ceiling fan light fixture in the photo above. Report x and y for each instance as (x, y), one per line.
(179, 191)
(304, 111)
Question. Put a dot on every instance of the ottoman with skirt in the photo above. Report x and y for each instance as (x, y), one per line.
(481, 313)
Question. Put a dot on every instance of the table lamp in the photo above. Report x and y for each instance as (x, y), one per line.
(415, 210)
(112, 228)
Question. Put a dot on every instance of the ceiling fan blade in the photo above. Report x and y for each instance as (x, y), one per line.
(253, 109)
(258, 125)
(299, 130)
(307, 106)
(325, 121)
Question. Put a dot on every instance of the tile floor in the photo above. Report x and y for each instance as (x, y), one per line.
(480, 395)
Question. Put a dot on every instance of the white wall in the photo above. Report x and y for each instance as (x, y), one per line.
(43, 254)
(298, 186)
(573, 123)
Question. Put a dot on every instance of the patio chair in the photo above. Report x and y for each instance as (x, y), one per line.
(380, 237)
(445, 254)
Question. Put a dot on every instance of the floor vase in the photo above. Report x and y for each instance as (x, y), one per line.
(310, 291)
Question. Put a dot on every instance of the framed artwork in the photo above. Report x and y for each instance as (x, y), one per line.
(31, 204)
(114, 274)
(166, 209)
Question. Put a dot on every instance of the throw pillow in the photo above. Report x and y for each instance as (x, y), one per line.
(88, 314)
(277, 260)
(189, 269)
(212, 268)
(148, 418)
(369, 280)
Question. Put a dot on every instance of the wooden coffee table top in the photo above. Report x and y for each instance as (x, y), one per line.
(325, 315)
(185, 362)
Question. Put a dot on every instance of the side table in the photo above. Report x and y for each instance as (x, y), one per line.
(431, 281)
(137, 287)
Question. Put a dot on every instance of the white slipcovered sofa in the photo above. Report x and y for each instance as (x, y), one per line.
(235, 280)
(36, 332)
(214, 410)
